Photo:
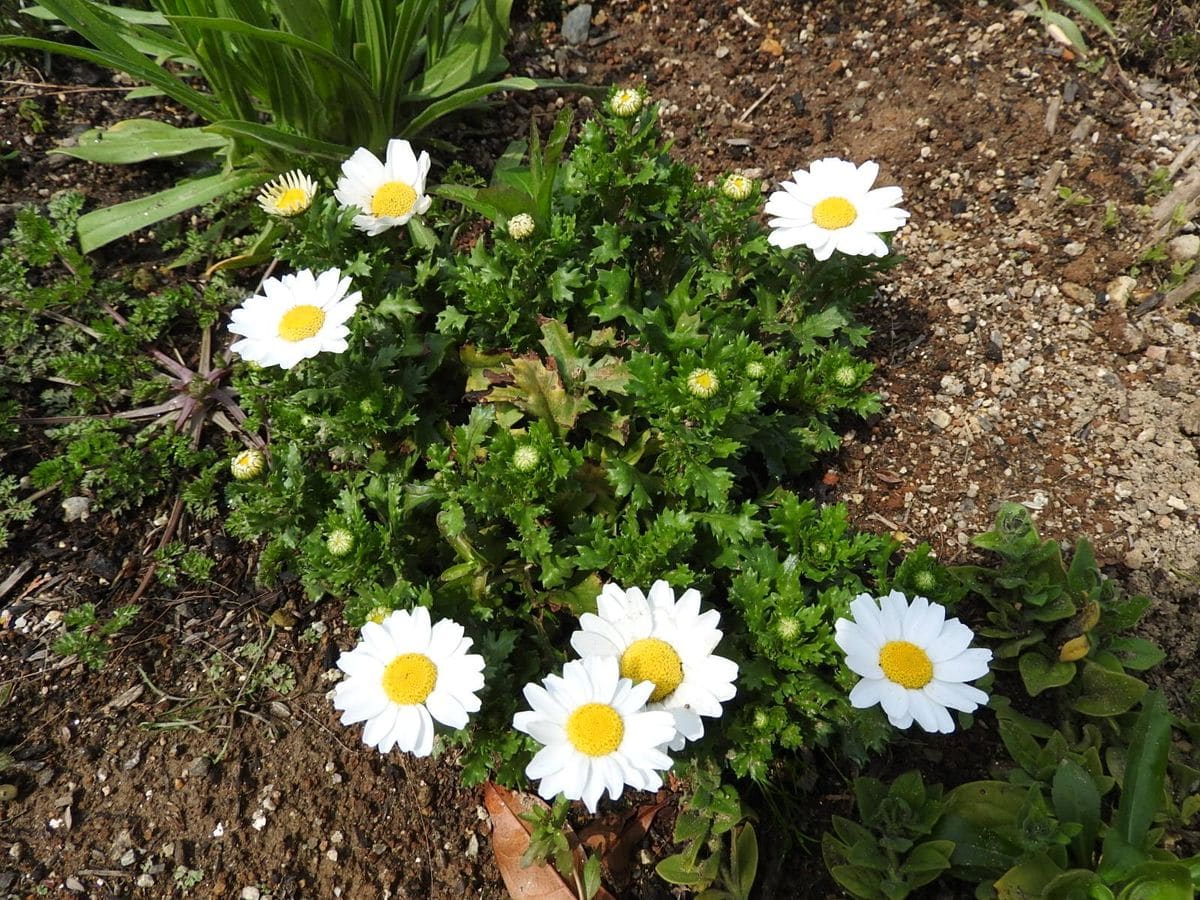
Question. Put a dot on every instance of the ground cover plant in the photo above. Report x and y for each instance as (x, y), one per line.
(609, 386)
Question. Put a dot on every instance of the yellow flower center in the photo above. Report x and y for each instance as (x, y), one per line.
(595, 729)
(393, 199)
(703, 382)
(292, 200)
(653, 660)
(906, 664)
(409, 678)
(301, 322)
(833, 213)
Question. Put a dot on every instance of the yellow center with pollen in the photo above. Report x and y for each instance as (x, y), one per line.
(833, 213)
(393, 199)
(291, 200)
(653, 660)
(595, 729)
(301, 322)
(906, 664)
(409, 678)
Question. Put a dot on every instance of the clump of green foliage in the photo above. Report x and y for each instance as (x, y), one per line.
(87, 637)
(614, 398)
(1080, 808)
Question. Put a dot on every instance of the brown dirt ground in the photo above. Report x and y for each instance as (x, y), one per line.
(166, 763)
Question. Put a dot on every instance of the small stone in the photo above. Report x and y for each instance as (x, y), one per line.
(1189, 419)
(74, 884)
(1075, 248)
(1119, 289)
(939, 418)
(145, 881)
(1184, 247)
(76, 509)
(128, 858)
(577, 23)
(722, 52)
(1121, 335)
(1176, 503)
(771, 46)
(250, 892)
(1156, 353)
(1076, 292)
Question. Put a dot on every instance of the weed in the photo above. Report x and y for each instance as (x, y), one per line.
(90, 640)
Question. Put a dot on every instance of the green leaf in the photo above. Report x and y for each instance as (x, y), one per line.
(1076, 799)
(269, 136)
(1040, 674)
(440, 108)
(926, 861)
(1104, 692)
(678, 869)
(1092, 13)
(106, 225)
(539, 390)
(135, 140)
(1158, 881)
(1136, 653)
(862, 883)
(591, 877)
(1142, 792)
(744, 860)
(1028, 879)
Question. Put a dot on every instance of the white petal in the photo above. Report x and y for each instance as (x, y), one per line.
(866, 693)
(446, 709)
(954, 639)
(967, 666)
(894, 699)
(963, 697)
(378, 727)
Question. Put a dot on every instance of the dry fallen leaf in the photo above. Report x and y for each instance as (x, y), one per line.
(510, 840)
(616, 839)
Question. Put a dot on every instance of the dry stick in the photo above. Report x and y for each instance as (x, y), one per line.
(757, 103)
(1052, 113)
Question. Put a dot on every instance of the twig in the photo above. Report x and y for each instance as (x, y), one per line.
(759, 102)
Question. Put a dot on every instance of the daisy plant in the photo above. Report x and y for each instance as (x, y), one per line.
(831, 206)
(914, 661)
(666, 642)
(406, 672)
(596, 732)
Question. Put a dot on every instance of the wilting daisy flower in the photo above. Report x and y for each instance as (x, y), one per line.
(913, 660)
(832, 207)
(247, 464)
(404, 674)
(387, 193)
(288, 195)
(596, 732)
(667, 642)
(298, 316)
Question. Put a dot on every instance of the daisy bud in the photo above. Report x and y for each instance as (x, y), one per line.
(247, 465)
(756, 370)
(625, 102)
(845, 376)
(339, 542)
(520, 226)
(703, 383)
(525, 458)
(737, 187)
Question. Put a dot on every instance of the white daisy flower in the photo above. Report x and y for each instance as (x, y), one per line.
(297, 316)
(288, 195)
(667, 642)
(596, 733)
(832, 207)
(387, 193)
(404, 673)
(912, 659)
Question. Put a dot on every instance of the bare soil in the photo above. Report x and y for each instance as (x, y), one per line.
(1012, 365)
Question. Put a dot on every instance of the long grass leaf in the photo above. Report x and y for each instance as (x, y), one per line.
(435, 111)
(103, 226)
(1092, 13)
(281, 140)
